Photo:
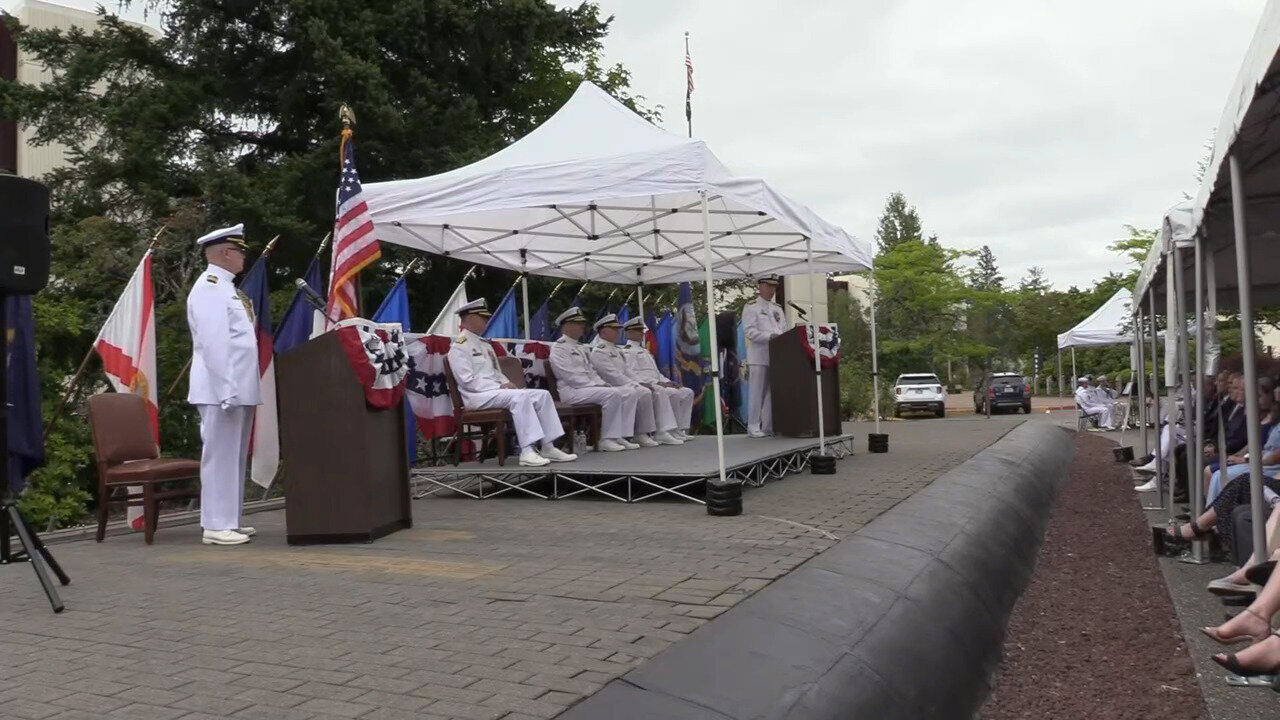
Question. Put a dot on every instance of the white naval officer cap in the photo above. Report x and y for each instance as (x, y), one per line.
(1083, 379)
(635, 323)
(233, 234)
(475, 307)
(770, 279)
(608, 320)
(573, 314)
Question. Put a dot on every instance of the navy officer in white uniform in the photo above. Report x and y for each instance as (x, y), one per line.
(224, 383)
(762, 321)
(579, 384)
(654, 419)
(642, 367)
(482, 385)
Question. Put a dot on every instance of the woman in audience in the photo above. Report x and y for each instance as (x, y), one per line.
(1238, 464)
(1253, 625)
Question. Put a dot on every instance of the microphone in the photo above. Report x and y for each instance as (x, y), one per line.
(313, 298)
(799, 310)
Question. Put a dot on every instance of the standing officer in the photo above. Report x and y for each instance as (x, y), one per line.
(642, 367)
(482, 385)
(762, 321)
(580, 385)
(224, 383)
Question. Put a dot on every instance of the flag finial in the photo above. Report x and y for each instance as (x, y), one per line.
(347, 115)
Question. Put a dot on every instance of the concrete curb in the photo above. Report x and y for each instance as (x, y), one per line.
(904, 619)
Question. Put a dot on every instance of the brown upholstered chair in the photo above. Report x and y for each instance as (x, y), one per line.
(127, 455)
(571, 413)
(498, 418)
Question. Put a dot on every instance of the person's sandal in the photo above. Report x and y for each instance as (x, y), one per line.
(1213, 634)
(1232, 664)
(1259, 574)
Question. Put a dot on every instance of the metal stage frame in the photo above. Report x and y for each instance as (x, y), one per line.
(632, 476)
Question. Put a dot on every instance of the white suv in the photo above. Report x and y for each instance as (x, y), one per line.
(919, 391)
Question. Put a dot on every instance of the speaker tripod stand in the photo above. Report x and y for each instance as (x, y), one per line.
(11, 519)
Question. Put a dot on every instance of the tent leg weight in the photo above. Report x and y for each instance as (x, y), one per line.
(878, 442)
(822, 464)
(1123, 454)
(724, 499)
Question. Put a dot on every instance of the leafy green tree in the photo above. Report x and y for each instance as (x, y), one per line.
(230, 116)
(898, 223)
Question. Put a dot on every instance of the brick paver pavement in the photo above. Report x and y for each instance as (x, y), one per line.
(503, 608)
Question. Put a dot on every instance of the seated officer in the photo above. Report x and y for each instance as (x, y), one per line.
(579, 384)
(482, 386)
(652, 413)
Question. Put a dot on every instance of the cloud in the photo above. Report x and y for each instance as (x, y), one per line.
(1040, 129)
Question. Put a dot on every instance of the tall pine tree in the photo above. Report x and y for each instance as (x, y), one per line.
(898, 223)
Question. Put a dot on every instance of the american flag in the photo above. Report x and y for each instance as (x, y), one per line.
(688, 93)
(354, 245)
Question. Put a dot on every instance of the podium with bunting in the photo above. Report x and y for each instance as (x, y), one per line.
(342, 436)
(792, 385)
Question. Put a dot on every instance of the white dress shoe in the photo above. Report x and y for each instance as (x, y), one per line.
(1148, 468)
(1149, 486)
(555, 454)
(627, 444)
(643, 440)
(756, 434)
(248, 531)
(683, 435)
(611, 445)
(666, 438)
(223, 537)
(530, 458)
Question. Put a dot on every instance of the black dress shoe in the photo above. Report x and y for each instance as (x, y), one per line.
(1142, 460)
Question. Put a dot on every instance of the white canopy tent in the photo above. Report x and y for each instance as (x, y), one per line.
(597, 193)
(1227, 237)
(1110, 324)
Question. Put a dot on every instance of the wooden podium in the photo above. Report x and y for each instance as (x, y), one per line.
(345, 466)
(792, 389)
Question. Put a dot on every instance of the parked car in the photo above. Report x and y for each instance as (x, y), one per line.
(919, 391)
(1004, 390)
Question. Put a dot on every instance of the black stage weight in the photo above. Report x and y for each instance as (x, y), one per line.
(724, 499)
(878, 442)
(822, 464)
(24, 270)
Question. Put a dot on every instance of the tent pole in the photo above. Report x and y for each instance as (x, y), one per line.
(1074, 374)
(875, 356)
(813, 341)
(1171, 357)
(640, 301)
(524, 292)
(1194, 466)
(1155, 401)
(1140, 377)
(1244, 280)
(711, 332)
(1062, 392)
(1197, 481)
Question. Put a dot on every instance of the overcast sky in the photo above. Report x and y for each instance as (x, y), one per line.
(1037, 128)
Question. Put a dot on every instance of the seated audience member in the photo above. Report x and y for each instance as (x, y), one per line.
(482, 385)
(1253, 626)
(579, 384)
(1089, 401)
(1238, 464)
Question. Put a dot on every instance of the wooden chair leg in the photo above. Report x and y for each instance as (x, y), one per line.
(150, 513)
(104, 495)
(501, 431)
(457, 443)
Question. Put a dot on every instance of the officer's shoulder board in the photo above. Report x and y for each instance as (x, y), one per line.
(461, 339)
(211, 278)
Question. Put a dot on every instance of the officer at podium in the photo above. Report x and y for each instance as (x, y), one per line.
(224, 383)
(762, 321)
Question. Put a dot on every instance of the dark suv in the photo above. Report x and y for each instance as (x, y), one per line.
(1003, 390)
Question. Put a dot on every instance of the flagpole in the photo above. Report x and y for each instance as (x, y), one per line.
(524, 292)
(84, 363)
(323, 244)
(266, 251)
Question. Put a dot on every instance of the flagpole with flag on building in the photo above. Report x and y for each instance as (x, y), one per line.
(355, 246)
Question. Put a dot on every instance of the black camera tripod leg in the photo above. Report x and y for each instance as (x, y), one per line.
(44, 551)
(36, 555)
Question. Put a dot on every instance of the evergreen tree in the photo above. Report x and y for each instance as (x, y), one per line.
(986, 276)
(898, 223)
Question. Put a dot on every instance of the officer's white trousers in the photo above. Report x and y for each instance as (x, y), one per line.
(760, 408)
(223, 461)
(618, 407)
(678, 401)
(645, 422)
(533, 411)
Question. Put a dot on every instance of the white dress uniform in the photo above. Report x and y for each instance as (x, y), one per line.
(1089, 400)
(579, 384)
(223, 387)
(611, 366)
(479, 379)
(762, 320)
(642, 367)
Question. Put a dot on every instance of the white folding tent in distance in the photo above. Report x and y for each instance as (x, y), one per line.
(1110, 324)
(597, 193)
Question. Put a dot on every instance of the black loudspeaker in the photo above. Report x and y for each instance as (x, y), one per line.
(24, 235)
